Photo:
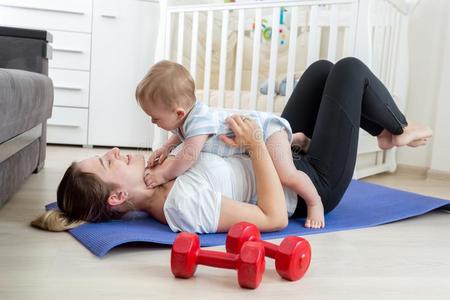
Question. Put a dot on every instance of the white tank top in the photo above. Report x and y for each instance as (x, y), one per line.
(194, 202)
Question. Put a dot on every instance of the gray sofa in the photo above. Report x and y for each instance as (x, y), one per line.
(26, 100)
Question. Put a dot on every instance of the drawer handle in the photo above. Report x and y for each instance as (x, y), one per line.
(108, 16)
(67, 50)
(56, 124)
(69, 88)
(45, 9)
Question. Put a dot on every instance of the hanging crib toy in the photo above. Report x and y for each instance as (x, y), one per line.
(266, 29)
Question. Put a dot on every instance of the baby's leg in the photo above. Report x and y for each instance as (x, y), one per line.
(280, 152)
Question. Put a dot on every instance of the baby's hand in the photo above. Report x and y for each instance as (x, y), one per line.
(154, 178)
(157, 157)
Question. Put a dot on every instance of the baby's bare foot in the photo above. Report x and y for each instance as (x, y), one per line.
(315, 217)
(413, 135)
(300, 140)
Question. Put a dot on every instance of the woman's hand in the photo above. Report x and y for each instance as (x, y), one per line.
(247, 133)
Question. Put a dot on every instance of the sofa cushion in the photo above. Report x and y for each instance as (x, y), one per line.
(26, 99)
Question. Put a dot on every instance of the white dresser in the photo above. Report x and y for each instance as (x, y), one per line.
(101, 49)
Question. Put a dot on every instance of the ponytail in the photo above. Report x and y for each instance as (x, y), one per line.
(55, 220)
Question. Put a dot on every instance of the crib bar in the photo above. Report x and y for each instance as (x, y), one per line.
(332, 40)
(167, 38)
(159, 135)
(253, 5)
(394, 41)
(362, 44)
(314, 36)
(351, 38)
(382, 31)
(193, 68)
(273, 58)
(160, 42)
(376, 40)
(378, 49)
(239, 56)
(208, 50)
(223, 57)
(386, 43)
(391, 47)
(180, 41)
(396, 46)
(255, 59)
(291, 54)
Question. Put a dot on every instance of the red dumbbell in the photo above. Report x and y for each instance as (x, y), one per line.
(292, 257)
(186, 255)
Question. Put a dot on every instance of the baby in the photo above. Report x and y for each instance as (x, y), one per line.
(166, 94)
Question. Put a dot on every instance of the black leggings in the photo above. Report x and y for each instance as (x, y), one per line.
(329, 104)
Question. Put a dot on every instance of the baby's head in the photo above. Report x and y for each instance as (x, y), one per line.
(166, 94)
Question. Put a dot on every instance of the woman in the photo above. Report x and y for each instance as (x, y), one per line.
(328, 105)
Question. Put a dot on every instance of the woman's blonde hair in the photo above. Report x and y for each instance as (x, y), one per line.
(167, 83)
(82, 197)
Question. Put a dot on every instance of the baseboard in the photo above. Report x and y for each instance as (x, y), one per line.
(439, 175)
(423, 172)
(412, 170)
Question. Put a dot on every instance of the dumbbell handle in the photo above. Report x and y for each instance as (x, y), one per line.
(217, 259)
(270, 248)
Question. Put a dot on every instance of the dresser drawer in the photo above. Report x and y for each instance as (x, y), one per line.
(74, 15)
(68, 126)
(71, 50)
(71, 87)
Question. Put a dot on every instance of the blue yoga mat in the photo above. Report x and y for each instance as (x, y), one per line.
(363, 205)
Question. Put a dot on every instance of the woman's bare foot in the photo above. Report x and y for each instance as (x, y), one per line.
(315, 217)
(418, 143)
(413, 135)
(300, 140)
(385, 140)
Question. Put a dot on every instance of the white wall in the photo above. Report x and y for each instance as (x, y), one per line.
(429, 70)
(440, 159)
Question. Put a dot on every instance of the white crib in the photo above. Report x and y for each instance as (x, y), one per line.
(229, 53)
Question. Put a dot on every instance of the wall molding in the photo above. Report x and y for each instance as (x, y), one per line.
(423, 172)
(438, 174)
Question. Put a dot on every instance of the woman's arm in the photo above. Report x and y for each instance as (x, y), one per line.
(270, 213)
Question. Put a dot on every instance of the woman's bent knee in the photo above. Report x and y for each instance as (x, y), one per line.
(350, 64)
(322, 64)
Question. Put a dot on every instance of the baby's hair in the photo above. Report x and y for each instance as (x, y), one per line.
(168, 83)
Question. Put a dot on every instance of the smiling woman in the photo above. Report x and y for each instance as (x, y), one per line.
(106, 187)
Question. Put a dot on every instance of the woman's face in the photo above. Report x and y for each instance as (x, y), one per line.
(127, 171)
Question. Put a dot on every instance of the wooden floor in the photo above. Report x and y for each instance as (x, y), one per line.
(403, 260)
